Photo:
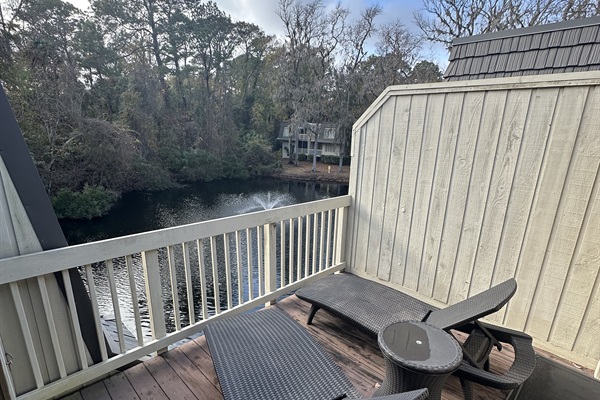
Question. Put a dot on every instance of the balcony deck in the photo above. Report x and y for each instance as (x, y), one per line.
(187, 372)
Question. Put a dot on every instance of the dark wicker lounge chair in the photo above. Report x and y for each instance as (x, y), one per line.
(479, 345)
(267, 355)
(372, 306)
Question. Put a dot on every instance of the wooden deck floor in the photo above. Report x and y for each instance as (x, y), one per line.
(187, 372)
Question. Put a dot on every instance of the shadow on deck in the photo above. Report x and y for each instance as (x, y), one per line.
(187, 372)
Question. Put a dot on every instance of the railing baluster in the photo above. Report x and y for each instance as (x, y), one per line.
(307, 247)
(95, 310)
(154, 294)
(51, 326)
(215, 273)
(6, 375)
(238, 255)
(259, 265)
(35, 366)
(75, 320)
(282, 247)
(202, 272)
(329, 239)
(174, 288)
(116, 307)
(291, 247)
(315, 250)
(249, 264)
(299, 257)
(189, 284)
(322, 241)
(134, 301)
(270, 259)
(227, 269)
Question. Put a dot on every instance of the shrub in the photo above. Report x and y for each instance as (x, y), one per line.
(302, 157)
(92, 201)
(259, 158)
(335, 160)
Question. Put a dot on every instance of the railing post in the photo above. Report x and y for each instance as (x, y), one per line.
(154, 295)
(270, 238)
(340, 242)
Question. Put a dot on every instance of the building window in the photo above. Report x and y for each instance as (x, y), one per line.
(329, 133)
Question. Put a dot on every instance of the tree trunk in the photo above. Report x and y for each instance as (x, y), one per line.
(314, 167)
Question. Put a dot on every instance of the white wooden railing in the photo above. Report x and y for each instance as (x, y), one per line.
(191, 274)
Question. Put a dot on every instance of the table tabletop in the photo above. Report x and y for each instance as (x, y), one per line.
(420, 346)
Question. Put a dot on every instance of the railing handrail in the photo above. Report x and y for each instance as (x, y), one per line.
(31, 265)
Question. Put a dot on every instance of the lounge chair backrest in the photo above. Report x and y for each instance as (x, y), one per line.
(473, 308)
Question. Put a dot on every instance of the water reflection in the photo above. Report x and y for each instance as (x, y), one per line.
(139, 212)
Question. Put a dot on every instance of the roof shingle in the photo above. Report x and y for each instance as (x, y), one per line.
(553, 48)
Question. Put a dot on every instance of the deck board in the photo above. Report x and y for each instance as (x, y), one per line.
(144, 383)
(187, 372)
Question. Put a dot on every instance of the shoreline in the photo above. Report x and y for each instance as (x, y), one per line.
(303, 172)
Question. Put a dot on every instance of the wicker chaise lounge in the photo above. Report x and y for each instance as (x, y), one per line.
(372, 306)
(267, 355)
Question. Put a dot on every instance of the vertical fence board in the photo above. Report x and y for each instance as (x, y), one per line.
(409, 185)
(502, 233)
(380, 187)
(396, 169)
(429, 150)
(541, 224)
(459, 193)
(570, 217)
(439, 194)
(493, 169)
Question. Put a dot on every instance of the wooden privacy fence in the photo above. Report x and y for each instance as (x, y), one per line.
(459, 186)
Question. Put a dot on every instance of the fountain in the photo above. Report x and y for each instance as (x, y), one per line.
(265, 201)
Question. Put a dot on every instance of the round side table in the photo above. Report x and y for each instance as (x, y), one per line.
(417, 355)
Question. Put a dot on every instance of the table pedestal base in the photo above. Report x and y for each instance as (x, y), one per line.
(398, 380)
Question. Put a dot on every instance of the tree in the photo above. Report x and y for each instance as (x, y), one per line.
(444, 20)
(425, 72)
(306, 74)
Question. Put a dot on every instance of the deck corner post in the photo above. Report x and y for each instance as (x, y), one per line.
(340, 242)
(270, 241)
(154, 295)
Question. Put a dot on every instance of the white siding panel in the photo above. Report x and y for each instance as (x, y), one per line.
(439, 195)
(479, 188)
(380, 187)
(502, 234)
(541, 228)
(397, 142)
(364, 203)
(487, 181)
(571, 213)
(409, 183)
(459, 193)
(429, 151)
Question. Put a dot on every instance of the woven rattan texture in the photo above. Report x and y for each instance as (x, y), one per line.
(266, 355)
(474, 307)
(368, 304)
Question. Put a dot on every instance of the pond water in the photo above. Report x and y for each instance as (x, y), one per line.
(144, 211)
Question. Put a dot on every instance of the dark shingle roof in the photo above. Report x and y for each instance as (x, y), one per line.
(545, 49)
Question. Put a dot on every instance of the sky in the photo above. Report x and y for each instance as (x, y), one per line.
(262, 13)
